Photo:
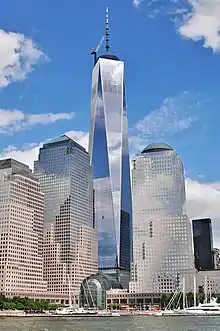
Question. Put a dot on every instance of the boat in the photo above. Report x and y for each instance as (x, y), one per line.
(210, 308)
(75, 311)
(107, 313)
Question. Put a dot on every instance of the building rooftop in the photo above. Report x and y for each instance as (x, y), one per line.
(63, 139)
(109, 57)
(106, 281)
(156, 147)
(14, 164)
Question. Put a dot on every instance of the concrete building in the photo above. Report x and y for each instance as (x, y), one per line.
(216, 253)
(109, 156)
(209, 282)
(162, 239)
(70, 241)
(21, 231)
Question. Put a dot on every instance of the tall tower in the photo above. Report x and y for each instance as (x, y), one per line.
(21, 227)
(109, 156)
(162, 233)
(70, 241)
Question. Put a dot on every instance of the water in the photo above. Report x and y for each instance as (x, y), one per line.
(145, 323)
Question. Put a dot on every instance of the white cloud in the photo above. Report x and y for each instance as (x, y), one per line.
(12, 121)
(28, 154)
(174, 115)
(194, 19)
(81, 137)
(18, 54)
(136, 3)
(203, 201)
(203, 22)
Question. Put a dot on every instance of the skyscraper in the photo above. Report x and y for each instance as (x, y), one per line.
(70, 241)
(21, 231)
(161, 230)
(203, 244)
(109, 156)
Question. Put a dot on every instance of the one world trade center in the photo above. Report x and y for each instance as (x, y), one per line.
(109, 155)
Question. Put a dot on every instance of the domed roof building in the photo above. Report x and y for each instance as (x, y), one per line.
(93, 290)
(156, 147)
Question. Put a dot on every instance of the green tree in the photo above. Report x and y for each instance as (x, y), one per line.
(165, 298)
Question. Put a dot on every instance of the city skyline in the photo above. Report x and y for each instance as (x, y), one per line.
(171, 83)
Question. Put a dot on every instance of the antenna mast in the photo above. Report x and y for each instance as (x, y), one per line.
(107, 47)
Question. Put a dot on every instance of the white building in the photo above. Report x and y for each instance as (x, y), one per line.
(162, 244)
(21, 231)
(70, 241)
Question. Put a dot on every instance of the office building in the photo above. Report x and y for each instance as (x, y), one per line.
(203, 244)
(161, 229)
(21, 231)
(109, 156)
(216, 252)
(70, 241)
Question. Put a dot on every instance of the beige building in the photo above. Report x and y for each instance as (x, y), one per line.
(21, 231)
(209, 281)
(70, 240)
(126, 298)
(162, 244)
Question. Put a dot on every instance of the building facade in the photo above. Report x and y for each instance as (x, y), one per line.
(216, 252)
(70, 241)
(161, 229)
(21, 231)
(203, 244)
(109, 156)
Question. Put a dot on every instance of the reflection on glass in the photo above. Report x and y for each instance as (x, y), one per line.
(70, 242)
(109, 153)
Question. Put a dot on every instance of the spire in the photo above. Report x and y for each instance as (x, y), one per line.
(107, 32)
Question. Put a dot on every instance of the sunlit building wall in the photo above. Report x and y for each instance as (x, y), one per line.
(70, 241)
(21, 231)
(161, 229)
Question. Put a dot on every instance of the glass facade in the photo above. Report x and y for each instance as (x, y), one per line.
(93, 290)
(70, 241)
(162, 232)
(203, 244)
(109, 156)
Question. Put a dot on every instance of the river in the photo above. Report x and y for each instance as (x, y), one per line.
(123, 323)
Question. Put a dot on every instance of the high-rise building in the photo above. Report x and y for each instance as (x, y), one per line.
(70, 241)
(216, 252)
(161, 230)
(203, 244)
(109, 156)
(21, 231)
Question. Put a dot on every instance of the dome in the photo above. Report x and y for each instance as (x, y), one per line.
(109, 57)
(156, 147)
(93, 290)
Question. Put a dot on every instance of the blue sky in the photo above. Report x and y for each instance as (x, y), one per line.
(170, 49)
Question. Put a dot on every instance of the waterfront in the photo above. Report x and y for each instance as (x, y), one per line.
(125, 323)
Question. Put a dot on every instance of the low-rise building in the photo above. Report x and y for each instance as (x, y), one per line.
(122, 298)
